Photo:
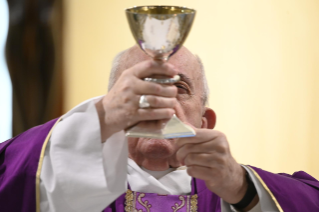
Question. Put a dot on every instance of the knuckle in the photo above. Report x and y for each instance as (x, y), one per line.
(125, 73)
(158, 88)
(170, 113)
(129, 113)
(220, 134)
(224, 161)
(125, 87)
(188, 147)
(191, 158)
(174, 90)
(126, 99)
(220, 160)
(223, 147)
(209, 160)
(170, 90)
(154, 87)
(148, 64)
(156, 101)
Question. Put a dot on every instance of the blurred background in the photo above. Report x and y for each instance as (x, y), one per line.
(261, 60)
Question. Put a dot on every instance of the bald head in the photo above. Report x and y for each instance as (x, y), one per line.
(182, 60)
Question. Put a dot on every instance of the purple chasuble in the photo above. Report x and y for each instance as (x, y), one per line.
(294, 193)
(19, 158)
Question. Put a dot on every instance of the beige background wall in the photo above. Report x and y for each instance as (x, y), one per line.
(261, 59)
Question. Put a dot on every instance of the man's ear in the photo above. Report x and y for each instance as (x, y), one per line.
(208, 118)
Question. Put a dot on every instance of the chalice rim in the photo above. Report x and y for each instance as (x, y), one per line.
(130, 9)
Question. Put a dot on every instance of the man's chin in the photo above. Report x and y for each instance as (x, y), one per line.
(153, 154)
(157, 148)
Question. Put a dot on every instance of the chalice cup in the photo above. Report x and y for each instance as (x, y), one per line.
(160, 32)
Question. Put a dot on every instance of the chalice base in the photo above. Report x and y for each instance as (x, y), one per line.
(161, 129)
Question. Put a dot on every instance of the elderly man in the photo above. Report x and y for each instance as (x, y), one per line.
(83, 162)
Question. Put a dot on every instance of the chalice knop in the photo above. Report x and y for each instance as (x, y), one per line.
(160, 32)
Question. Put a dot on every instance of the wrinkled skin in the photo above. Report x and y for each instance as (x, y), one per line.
(207, 155)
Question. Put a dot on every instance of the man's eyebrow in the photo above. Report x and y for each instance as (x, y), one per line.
(186, 79)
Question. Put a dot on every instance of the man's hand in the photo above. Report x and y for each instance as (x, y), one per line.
(207, 157)
(119, 109)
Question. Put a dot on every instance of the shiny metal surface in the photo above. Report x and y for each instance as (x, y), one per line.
(143, 103)
(172, 80)
(160, 30)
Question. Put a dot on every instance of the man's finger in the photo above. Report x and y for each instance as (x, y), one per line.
(151, 88)
(151, 67)
(202, 135)
(161, 102)
(201, 172)
(209, 160)
(155, 114)
(205, 147)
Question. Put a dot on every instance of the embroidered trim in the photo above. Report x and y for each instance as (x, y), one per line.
(130, 199)
(194, 203)
(266, 188)
(129, 196)
(187, 204)
(177, 207)
(145, 203)
(37, 177)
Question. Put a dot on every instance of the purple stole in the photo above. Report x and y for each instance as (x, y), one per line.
(204, 201)
(20, 156)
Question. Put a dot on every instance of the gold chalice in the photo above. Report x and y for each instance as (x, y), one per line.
(160, 31)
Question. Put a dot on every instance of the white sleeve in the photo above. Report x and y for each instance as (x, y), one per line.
(265, 204)
(79, 173)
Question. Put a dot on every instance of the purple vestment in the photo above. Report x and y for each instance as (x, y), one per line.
(19, 158)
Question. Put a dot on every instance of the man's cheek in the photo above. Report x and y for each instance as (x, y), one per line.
(188, 113)
(193, 117)
(180, 112)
